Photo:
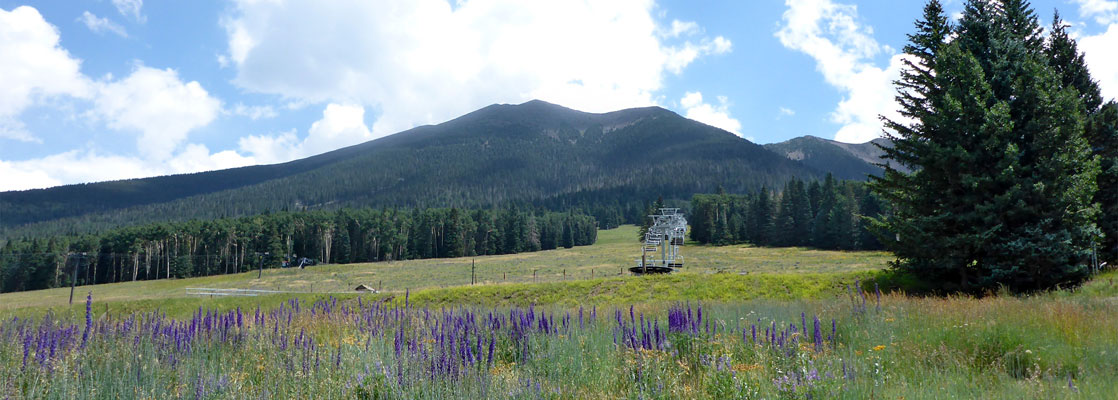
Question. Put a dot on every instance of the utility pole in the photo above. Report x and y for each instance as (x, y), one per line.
(74, 277)
(473, 277)
(261, 272)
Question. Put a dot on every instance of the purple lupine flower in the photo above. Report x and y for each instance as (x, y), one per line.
(877, 294)
(699, 315)
(812, 375)
(803, 323)
(862, 293)
(88, 318)
(818, 335)
(26, 348)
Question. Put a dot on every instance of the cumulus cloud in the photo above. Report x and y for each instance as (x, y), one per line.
(158, 105)
(254, 112)
(1104, 12)
(341, 125)
(101, 25)
(717, 116)
(1098, 49)
(90, 166)
(680, 28)
(33, 67)
(131, 9)
(844, 50)
(414, 62)
(155, 104)
(785, 112)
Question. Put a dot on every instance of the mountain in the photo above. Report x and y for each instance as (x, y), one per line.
(531, 153)
(844, 160)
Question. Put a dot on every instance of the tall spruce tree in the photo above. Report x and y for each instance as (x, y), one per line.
(822, 231)
(868, 207)
(1103, 135)
(785, 223)
(1101, 131)
(646, 221)
(760, 226)
(801, 213)
(1001, 193)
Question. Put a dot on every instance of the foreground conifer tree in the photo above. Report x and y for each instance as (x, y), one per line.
(1002, 192)
(1102, 128)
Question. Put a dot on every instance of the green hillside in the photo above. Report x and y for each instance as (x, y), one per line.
(532, 153)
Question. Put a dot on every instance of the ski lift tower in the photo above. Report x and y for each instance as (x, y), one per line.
(660, 250)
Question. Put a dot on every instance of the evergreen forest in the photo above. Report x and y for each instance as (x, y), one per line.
(231, 245)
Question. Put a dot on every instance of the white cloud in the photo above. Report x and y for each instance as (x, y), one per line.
(785, 112)
(101, 25)
(1104, 12)
(155, 103)
(844, 50)
(159, 106)
(33, 67)
(197, 157)
(130, 8)
(678, 58)
(89, 166)
(340, 126)
(714, 115)
(1102, 59)
(424, 61)
(682, 28)
(254, 112)
(1099, 49)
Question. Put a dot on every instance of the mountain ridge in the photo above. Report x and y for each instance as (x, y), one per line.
(523, 153)
(844, 160)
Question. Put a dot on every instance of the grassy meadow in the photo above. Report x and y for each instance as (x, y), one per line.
(740, 323)
(615, 251)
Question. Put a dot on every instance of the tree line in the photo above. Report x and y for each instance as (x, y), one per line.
(825, 215)
(232, 245)
(1014, 149)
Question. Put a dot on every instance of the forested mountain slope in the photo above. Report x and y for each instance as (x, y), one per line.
(844, 160)
(532, 153)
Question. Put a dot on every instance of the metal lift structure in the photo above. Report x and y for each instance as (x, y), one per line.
(660, 250)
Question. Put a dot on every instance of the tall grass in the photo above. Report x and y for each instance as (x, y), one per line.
(860, 344)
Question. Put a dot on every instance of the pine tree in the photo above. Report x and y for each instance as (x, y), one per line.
(823, 230)
(701, 219)
(801, 212)
(1001, 193)
(785, 224)
(646, 220)
(1103, 135)
(761, 219)
(1101, 130)
(1070, 66)
(869, 207)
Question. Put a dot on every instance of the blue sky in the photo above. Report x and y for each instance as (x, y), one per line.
(115, 89)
